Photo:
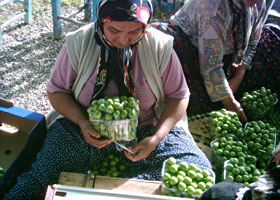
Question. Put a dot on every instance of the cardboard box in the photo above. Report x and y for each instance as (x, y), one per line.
(22, 133)
(124, 184)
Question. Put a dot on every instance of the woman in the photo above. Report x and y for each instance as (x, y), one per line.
(118, 55)
(209, 37)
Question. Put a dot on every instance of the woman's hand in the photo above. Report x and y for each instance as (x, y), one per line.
(62, 102)
(143, 149)
(230, 103)
(171, 114)
(92, 136)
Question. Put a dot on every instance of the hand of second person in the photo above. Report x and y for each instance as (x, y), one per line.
(240, 112)
(93, 137)
(230, 103)
(144, 148)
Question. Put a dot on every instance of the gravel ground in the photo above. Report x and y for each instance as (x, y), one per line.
(27, 55)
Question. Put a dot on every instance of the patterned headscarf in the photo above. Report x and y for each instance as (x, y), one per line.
(114, 63)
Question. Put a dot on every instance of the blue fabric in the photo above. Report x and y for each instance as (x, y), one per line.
(65, 149)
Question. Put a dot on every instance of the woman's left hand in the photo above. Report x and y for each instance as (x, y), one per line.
(144, 149)
(171, 114)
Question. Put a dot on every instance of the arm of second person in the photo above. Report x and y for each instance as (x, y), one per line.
(171, 114)
(67, 106)
(236, 80)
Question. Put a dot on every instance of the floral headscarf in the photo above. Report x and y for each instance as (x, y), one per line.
(114, 63)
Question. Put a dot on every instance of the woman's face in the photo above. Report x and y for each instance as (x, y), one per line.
(122, 34)
(250, 3)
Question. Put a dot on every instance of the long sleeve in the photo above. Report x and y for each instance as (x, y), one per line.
(207, 24)
(256, 29)
(212, 39)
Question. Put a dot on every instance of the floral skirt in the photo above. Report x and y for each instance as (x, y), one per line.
(65, 150)
(265, 66)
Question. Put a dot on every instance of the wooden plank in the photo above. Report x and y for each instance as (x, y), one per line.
(75, 179)
(133, 185)
(109, 183)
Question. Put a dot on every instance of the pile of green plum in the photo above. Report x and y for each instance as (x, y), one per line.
(258, 103)
(224, 122)
(241, 172)
(115, 118)
(110, 166)
(274, 120)
(2, 171)
(228, 147)
(184, 179)
(260, 138)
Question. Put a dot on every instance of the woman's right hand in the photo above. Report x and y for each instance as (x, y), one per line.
(230, 103)
(61, 102)
(91, 136)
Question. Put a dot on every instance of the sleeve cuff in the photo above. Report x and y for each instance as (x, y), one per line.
(247, 60)
(219, 98)
(247, 66)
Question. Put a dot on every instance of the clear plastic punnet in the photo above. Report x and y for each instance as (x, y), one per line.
(220, 158)
(189, 181)
(255, 115)
(116, 130)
